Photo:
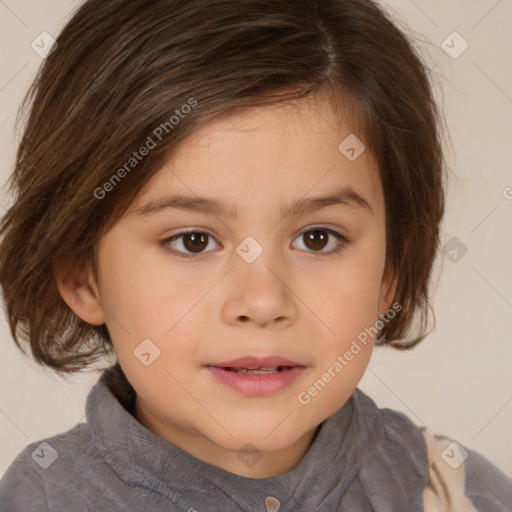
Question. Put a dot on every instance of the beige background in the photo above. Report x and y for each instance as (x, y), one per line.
(457, 382)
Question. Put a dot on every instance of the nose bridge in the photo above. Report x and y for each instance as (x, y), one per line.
(259, 290)
(258, 262)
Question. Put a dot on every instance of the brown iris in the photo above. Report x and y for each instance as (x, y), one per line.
(195, 242)
(316, 239)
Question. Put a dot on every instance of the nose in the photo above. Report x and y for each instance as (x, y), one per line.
(260, 294)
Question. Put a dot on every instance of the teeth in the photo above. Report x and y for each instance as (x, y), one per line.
(259, 370)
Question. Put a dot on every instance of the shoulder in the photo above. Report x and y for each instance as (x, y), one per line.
(40, 476)
(435, 466)
(486, 485)
(464, 478)
(394, 469)
(68, 472)
(395, 436)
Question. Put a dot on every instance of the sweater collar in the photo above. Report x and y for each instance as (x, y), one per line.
(141, 458)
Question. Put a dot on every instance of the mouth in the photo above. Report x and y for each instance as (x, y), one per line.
(258, 371)
(253, 376)
(268, 363)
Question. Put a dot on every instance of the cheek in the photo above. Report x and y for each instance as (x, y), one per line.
(348, 303)
(345, 298)
(147, 297)
(332, 384)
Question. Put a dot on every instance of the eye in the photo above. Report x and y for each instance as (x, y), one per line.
(316, 238)
(188, 243)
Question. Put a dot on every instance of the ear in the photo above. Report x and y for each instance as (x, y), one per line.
(387, 291)
(79, 290)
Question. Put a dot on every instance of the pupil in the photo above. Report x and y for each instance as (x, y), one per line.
(195, 242)
(316, 239)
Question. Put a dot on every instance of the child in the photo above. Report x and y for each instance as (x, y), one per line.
(238, 199)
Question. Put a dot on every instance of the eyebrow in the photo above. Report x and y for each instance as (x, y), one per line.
(347, 197)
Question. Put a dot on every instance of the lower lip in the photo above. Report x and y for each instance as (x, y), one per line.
(257, 384)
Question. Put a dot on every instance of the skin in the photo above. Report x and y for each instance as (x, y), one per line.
(295, 300)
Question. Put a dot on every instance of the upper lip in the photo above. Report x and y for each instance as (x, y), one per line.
(253, 363)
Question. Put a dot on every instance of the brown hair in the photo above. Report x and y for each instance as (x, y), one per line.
(122, 68)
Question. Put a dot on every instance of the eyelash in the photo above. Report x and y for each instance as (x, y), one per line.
(338, 249)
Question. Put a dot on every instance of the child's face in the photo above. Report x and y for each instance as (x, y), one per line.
(300, 302)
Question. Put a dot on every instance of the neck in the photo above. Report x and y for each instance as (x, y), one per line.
(249, 464)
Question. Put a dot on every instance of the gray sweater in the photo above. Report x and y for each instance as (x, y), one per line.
(362, 459)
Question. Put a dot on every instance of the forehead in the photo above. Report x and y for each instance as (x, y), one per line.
(264, 157)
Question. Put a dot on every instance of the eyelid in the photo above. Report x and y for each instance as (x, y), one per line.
(321, 227)
(201, 231)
